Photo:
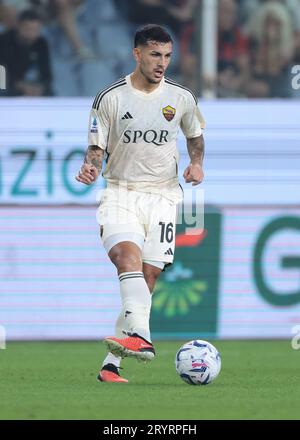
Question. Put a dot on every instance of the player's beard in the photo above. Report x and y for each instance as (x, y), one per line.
(148, 78)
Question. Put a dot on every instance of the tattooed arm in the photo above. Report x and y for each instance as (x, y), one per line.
(195, 148)
(92, 166)
(194, 173)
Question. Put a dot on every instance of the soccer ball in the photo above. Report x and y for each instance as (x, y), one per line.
(198, 362)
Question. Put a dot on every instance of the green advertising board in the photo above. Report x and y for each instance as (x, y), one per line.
(186, 296)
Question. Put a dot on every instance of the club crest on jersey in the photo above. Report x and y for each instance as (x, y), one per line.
(169, 112)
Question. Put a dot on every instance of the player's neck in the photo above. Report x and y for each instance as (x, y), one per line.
(139, 82)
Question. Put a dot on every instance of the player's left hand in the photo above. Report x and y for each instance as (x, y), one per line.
(193, 173)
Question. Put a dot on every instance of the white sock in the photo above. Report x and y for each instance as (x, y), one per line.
(136, 300)
(119, 327)
(112, 359)
(134, 322)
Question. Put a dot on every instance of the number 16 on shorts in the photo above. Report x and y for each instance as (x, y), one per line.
(167, 240)
(167, 232)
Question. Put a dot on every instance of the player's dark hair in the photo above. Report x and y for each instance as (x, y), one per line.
(151, 32)
(29, 15)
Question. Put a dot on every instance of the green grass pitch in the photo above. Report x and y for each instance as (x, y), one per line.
(56, 380)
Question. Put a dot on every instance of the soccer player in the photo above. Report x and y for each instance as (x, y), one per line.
(135, 123)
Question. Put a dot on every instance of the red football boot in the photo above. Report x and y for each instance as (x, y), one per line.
(110, 373)
(133, 345)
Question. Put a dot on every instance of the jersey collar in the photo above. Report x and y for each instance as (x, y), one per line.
(145, 94)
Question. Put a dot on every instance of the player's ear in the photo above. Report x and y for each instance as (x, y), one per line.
(136, 54)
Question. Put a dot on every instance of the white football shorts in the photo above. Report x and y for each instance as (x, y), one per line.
(147, 219)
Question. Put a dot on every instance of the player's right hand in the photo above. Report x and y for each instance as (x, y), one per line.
(88, 174)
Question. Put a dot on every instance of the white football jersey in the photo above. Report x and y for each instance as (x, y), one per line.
(139, 130)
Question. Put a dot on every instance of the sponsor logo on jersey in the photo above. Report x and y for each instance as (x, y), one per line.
(94, 128)
(169, 112)
(150, 137)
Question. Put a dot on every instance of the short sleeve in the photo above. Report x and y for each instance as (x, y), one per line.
(98, 126)
(192, 122)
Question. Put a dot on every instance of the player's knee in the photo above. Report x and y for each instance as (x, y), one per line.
(125, 260)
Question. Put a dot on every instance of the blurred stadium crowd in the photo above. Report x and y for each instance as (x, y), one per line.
(76, 47)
